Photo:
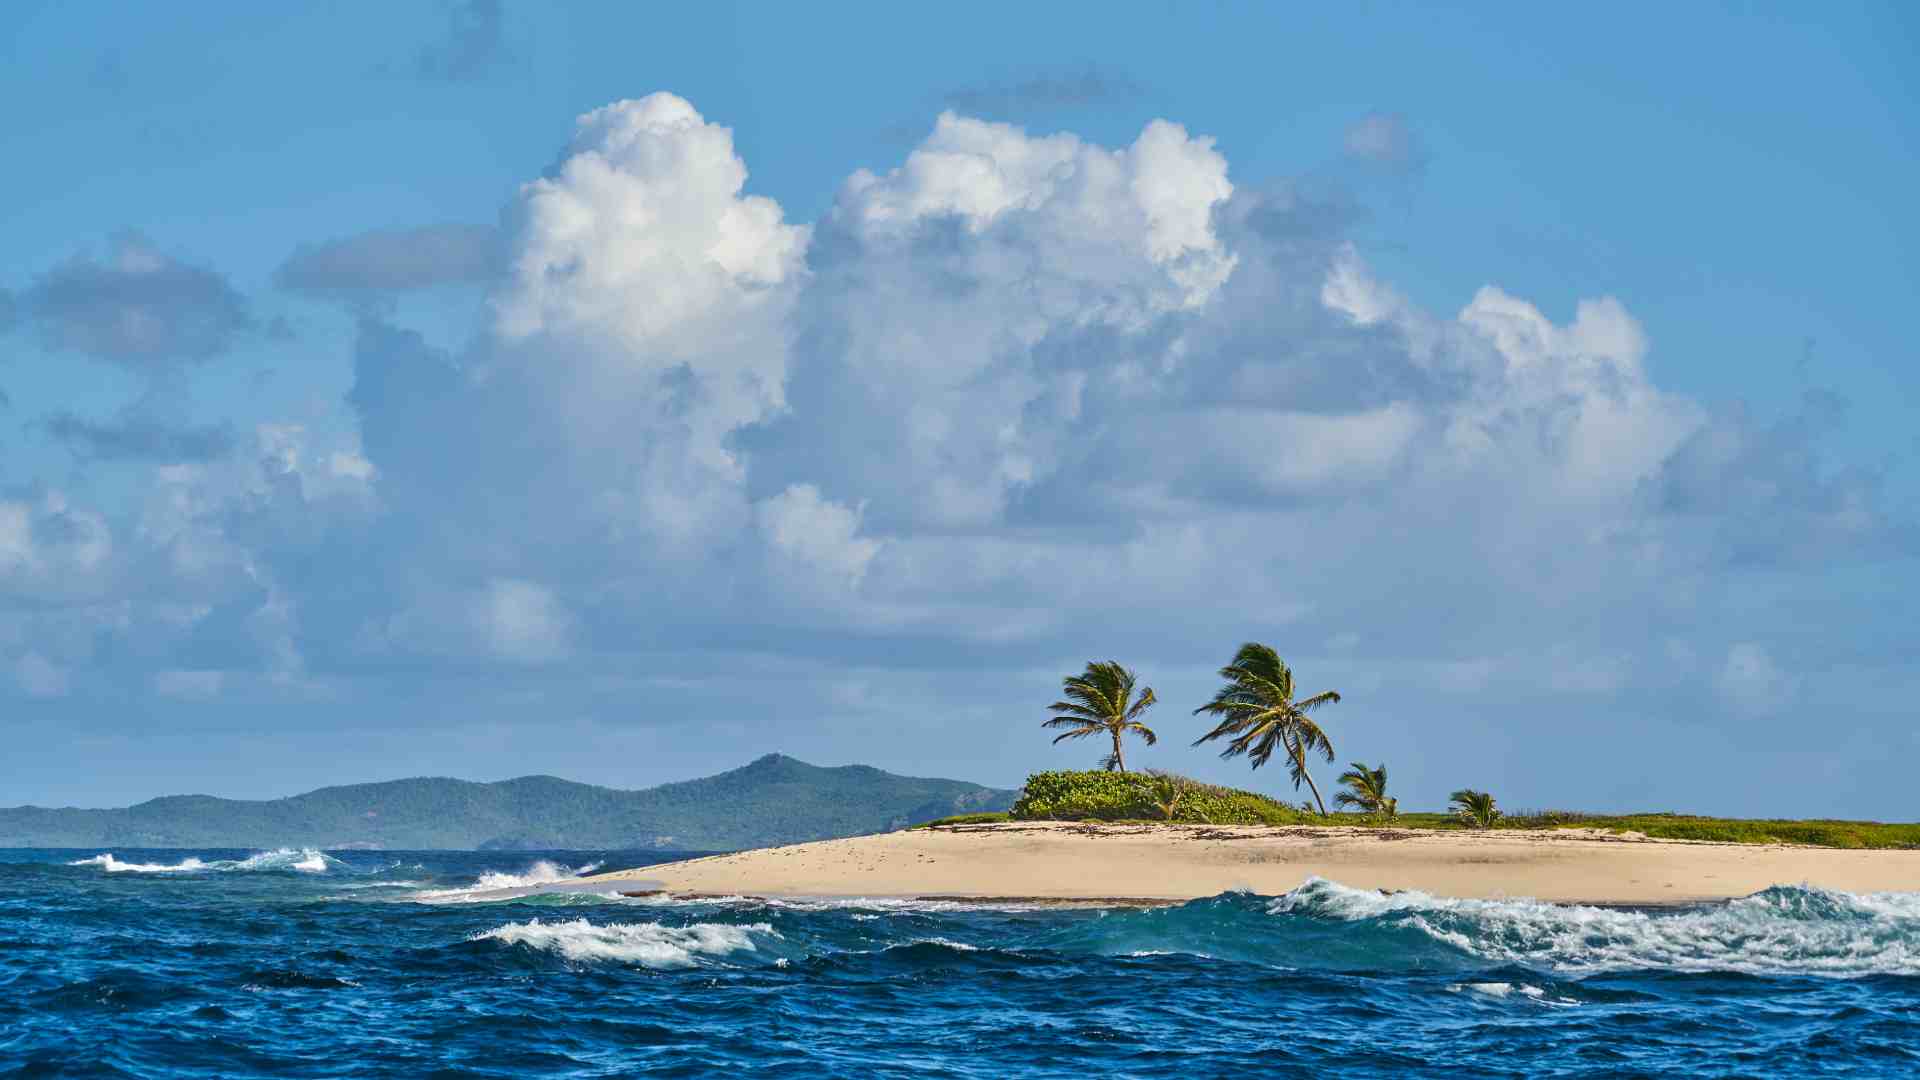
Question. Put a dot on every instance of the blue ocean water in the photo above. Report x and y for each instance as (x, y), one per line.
(310, 964)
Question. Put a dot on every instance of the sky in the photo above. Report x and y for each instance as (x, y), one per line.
(622, 392)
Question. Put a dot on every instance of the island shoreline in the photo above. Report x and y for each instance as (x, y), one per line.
(1098, 864)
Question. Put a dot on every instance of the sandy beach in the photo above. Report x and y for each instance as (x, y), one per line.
(1071, 861)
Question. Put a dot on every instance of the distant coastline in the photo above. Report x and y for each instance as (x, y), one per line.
(774, 800)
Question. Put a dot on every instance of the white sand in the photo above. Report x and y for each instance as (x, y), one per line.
(1058, 860)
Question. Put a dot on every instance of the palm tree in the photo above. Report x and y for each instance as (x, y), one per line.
(1367, 790)
(1259, 711)
(1474, 807)
(1100, 700)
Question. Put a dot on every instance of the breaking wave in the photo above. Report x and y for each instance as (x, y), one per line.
(1784, 929)
(500, 885)
(650, 945)
(111, 865)
(1323, 925)
(304, 860)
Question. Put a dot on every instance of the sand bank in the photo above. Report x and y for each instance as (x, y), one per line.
(1065, 861)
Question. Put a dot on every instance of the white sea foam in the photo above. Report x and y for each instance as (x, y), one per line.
(1785, 929)
(649, 945)
(305, 860)
(501, 885)
(112, 865)
(1502, 990)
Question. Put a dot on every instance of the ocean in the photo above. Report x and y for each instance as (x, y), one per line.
(301, 963)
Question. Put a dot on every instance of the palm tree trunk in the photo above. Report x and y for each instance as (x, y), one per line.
(1119, 764)
(1315, 788)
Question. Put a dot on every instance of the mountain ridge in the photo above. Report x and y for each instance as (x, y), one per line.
(774, 799)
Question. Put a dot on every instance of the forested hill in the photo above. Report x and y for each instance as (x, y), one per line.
(775, 800)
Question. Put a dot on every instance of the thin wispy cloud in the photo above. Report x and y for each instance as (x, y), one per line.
(1386, 140)
(1055, 90)
(138, 307)
(139, 439)
(384, 262)
(472, 46)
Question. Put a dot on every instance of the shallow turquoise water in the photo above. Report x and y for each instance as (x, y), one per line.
(298, 963)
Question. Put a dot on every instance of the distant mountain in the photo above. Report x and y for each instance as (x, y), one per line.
(775, 800)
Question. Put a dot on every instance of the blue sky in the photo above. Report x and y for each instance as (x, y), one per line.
(415, 392)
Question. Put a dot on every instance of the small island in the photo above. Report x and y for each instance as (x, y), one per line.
(1116, 836)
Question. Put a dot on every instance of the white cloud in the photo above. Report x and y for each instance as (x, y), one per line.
(188, 685)
(523, 621)
(1385, 139)
(48, 546)
(645, 316)
(817, 533)
(1065, 397)
(38, 677)
(1753, 682)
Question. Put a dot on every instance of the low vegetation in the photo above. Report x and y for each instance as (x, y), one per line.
(1157, 796)
(965, 819)
(1837, 834)
(1257, 715)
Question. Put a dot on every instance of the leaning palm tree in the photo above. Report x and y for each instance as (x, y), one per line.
(1367, 791)
(1474, 807)
(1258, 709)
(1100, 701)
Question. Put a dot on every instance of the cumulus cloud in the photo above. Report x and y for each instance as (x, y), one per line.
(384, 262)
(1746, 493)
(139, 438)
(641, 322)
(1017, 396)
(138, 307)
(817, 533)
(959, 301)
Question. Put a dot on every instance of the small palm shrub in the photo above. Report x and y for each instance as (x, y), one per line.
(1475, 808)
(1366, 791)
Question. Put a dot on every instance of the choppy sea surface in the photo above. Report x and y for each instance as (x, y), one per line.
(333, 964)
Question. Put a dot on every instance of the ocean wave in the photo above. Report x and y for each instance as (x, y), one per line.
(650, 945)
(304, 860)
(1527, 991)
(494, 885)
(111, 865)
(1786, 929)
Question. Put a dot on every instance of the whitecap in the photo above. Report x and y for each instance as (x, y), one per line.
(111, 865)
(650, 945)
(305, 860)
(1781, 930)
(493, 885)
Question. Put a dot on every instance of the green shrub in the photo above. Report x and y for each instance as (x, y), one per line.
(1117, 796)
(965, 819)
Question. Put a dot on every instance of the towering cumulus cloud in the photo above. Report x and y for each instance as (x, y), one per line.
(1016, 390)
